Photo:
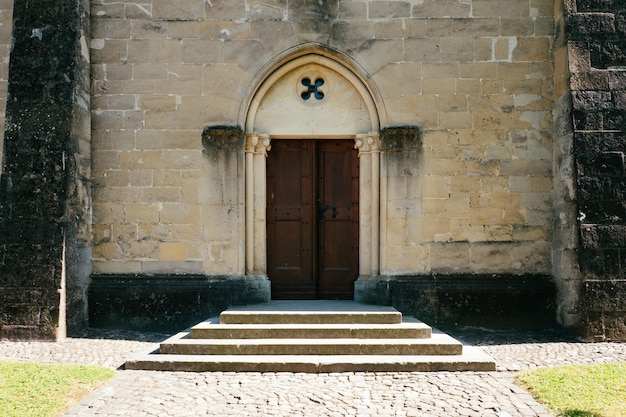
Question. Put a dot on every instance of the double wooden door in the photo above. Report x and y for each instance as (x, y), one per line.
(312, 218)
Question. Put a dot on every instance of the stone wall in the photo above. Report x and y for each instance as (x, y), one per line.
(471, 197)
(596, 34)
(476, 78)
(6, 25)
(45, 206)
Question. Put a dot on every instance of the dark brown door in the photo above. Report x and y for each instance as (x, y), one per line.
(312, 215)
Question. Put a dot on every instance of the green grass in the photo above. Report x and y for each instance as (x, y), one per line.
(36, 390)
(580, 390)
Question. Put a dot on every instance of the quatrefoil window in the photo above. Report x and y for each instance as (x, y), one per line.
(312, 89)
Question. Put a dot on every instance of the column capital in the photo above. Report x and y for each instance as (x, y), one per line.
(367, 143)
(257, 143)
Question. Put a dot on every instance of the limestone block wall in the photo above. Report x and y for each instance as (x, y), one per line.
(6, 24)
(474, 196)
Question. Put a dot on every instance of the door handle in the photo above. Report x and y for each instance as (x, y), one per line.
(321, 212)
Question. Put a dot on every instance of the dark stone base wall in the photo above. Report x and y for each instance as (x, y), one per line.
(174, 303)
(596, 33)
(168, 303)
(502, 301)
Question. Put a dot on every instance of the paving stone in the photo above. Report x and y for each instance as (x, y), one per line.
(173, 394)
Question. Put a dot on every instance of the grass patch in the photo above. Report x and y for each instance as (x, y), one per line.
(37, 390)
(580, 390)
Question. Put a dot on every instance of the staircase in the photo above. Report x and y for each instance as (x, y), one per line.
(312, 337)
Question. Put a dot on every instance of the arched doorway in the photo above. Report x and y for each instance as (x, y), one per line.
(313, 103)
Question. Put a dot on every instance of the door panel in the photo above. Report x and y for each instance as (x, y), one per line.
(312, 214)
(337, 226)
(290, 231)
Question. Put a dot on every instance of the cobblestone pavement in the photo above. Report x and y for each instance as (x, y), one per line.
(165, 394)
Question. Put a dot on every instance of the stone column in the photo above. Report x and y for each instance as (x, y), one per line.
(257, 146)
(369, 204)
(402, 144)
(45, 202)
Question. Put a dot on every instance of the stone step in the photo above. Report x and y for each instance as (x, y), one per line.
(311, 312)
(312, 336)
(439, 344)
(410, 328)
(472, 359)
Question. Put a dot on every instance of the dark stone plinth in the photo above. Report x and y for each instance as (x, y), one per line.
(503, 301)
(167, 303)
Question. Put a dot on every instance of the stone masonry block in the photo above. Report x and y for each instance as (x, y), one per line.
(455, 49)
(605, 54)
(160, 194)
(142, 213)
(478, 70)
(108, 11)
(441, 8)
(531, 257)
(449, 257)
(422, 50)
(110, 29)
(149, 71)
(167, 178)
(141, 177)
(148, 159)
(591, 25)
(159, 102)
(390, 29)
(172, 251)
(352, 10)
(104, 51)
(178, 10)
(138, 11)
(473, 27)
(439, 86)
(532, 49)
(389, 9)
(406, 259)
(177, 213)
(511, 8)
(146, 29)
(601, 164)
(197, 51)
(617, 79)
(209, 30)
(603, 236)
(225, 9)
(266, 10)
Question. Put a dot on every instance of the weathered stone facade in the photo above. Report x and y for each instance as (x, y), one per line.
(462, 114)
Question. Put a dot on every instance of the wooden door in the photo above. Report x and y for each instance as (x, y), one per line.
(312, 215)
